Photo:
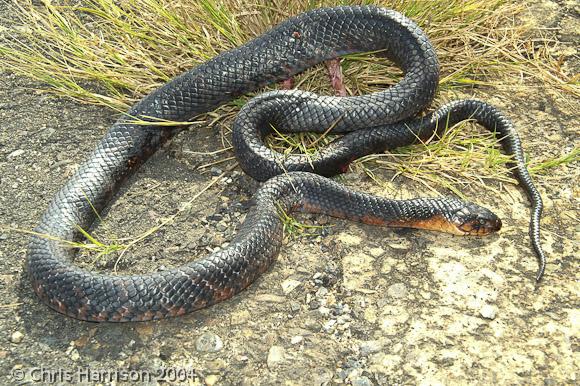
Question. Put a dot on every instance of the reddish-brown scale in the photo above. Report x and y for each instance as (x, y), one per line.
(435, 223)
(373, 220)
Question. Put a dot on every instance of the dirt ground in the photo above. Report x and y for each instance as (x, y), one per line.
(350, 304)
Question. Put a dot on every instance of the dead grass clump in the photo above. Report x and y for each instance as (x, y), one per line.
(112, 53)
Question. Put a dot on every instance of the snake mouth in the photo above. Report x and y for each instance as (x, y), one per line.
(480, 227)
(437, 223)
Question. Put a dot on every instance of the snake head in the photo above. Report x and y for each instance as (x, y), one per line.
(472, 219)
(448, 215)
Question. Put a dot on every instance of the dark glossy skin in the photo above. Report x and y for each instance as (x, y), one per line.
(280, 53)
(275, 109)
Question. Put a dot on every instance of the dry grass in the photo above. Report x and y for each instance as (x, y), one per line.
(112, 52)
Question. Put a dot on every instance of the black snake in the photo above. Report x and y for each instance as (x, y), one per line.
(373, 123)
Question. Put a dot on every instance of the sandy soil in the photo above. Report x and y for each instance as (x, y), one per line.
(351, 304)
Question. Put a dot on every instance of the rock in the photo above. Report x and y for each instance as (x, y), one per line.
(216, 366)
(296, 339)
(322, 377)
(313, 305)
(322, 292)
(215, 171)
(320, 279)
(376, 252)
(401, 244)
(211, 379)
(488, 311)
(289, 285)
(74, 355)
(397, 291)
(550, 382)
(361, 381)
(214, 217)
(271, 298)
(17, 337)
(295, 306)
(349, 239)
(329, 325)
(343, 374)
(58, 164)
(15, 154)
(370, 347)
(275, 356)
(208, 342)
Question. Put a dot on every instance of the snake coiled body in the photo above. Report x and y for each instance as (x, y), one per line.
(287, 49)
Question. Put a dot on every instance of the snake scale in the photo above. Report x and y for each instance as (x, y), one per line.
(373, 122)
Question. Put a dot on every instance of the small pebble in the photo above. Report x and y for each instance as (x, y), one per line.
(488, 311)
(208, 342)
(376, 252)
(322, 292)
(329, 324)
(17, 337)
(324, 311)
(314, 305)
(341, 308)
(215, 171)
(295, 306)
(323, 377)
(289, 285)
(275, 355)
(15, 154)
(211, 379)
(370, 347)
(397, 291)
(550, 382)
(361, 381)
(214, 217)
(74, 355)
(296, 339)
